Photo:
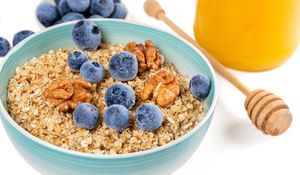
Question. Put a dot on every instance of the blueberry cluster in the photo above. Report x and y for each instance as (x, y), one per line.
(87, 36)
(70, 10)
(86, 115)
(119, 98)
(18, 37)
(148, 117)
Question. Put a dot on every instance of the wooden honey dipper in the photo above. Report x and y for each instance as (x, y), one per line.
(268, 112)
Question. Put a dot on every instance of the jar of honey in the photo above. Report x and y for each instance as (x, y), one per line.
(251, 35)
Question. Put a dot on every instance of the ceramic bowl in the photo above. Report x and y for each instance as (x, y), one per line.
(50, 159)
(128, 16)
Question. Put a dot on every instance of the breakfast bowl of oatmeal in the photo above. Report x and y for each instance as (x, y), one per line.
(106, 97)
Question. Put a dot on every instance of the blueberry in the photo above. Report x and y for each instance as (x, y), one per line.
(86, 35)
(148, 117)
(63, 7)
(92, 71)
(58, 22)
(18, 37)
(76, 59)
(4, 47)
(200, 86)
(117, 117)
(102, 7)
(57, 2)
(47, 14)
(86, 14)
(95, 16)
(123, 66)
(79, 5)
(86, 116)
(120, 94)
(119, 12)
(72, 16)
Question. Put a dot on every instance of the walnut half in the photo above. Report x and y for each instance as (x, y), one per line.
(148, 55)
(66, 94)
(164, 87)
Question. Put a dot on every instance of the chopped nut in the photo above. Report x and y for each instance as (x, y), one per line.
(167, 93)
(164, 87)
(148, 56)
(80, 94)
(81, 83)
(66, 94)
(62, 89)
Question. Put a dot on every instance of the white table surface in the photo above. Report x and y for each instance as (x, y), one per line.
(232, 145)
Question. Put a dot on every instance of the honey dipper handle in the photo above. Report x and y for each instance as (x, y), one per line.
(153, 9)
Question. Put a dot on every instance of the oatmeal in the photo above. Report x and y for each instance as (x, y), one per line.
(35, 102)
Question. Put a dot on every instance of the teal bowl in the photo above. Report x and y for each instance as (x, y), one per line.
(50, 159)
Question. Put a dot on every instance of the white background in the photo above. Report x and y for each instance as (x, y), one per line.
(232, 145)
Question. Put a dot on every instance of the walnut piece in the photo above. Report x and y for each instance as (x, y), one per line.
(66, 94)
(148, 55)
(164, 87)
(60, 89)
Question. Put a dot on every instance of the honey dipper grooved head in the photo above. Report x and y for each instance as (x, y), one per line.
(268, 112)
(153, 8)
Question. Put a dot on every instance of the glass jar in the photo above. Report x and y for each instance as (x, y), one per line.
(250, 35)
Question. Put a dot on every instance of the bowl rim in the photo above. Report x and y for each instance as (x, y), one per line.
(50, 146)
(52, 2)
